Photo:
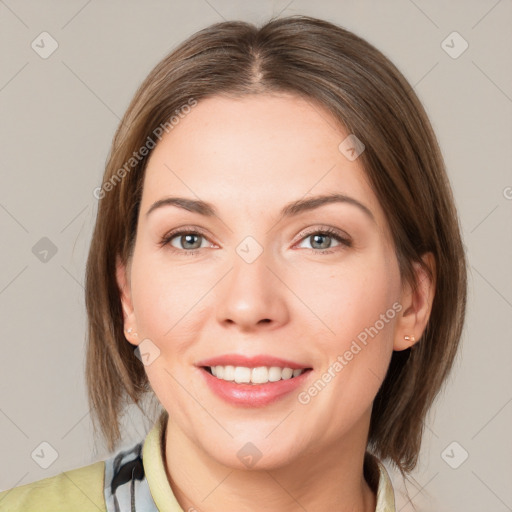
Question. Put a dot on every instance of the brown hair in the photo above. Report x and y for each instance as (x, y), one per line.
(365, 92)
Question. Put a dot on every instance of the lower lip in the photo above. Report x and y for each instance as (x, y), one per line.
(253, 395)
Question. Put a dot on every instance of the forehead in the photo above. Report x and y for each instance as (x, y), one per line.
(254, 154)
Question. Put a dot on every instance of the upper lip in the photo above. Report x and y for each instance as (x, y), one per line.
(251, 361)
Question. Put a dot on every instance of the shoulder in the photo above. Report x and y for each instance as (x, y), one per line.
(78, 489)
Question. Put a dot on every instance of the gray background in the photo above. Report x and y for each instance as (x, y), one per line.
(58, 116)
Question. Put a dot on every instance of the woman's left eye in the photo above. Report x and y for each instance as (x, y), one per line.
(321, 240)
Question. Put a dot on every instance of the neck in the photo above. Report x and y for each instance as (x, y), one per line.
(327, 479)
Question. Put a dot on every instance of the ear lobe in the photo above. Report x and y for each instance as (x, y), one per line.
(123, 284)
(417, 303)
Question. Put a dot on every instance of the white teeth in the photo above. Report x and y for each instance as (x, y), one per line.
(242, 374)
(274, 374)
(229, 373)
(258, 375)
(287, 373)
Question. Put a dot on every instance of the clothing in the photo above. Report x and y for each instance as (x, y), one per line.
(135, 480)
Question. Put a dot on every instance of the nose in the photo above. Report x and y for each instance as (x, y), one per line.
(251, 297)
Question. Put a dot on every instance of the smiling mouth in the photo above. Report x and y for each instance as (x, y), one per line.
(256, 376)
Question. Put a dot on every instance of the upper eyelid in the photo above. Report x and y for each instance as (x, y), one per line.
(324, 229)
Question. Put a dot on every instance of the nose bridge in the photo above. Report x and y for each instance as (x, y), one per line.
(251, 294)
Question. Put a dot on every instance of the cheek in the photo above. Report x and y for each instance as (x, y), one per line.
(357, 305)
(360, 308)
(169, 312)
(366, 308)
(350, 299)
(169, 300)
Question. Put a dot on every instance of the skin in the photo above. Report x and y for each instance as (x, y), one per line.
(249, 157)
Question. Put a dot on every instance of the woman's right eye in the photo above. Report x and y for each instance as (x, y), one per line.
(185, 241)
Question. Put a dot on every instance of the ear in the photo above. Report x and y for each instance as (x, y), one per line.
(123, 283)
(417, 302)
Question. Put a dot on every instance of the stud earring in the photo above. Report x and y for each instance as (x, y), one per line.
(410, 338)
(130, 331)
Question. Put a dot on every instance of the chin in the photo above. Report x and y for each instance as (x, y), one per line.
(250, 458)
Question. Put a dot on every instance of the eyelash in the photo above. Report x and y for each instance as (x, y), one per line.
(331, 232)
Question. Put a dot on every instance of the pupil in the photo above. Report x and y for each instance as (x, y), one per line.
(323, 245)
(187, 239)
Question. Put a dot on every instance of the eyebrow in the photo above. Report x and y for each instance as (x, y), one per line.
(289, 210)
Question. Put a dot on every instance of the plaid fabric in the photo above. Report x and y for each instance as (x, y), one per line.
(126, 488)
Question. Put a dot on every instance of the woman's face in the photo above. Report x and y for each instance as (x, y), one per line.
(258, 283)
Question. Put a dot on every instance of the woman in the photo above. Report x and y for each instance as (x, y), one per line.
(276, 257)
